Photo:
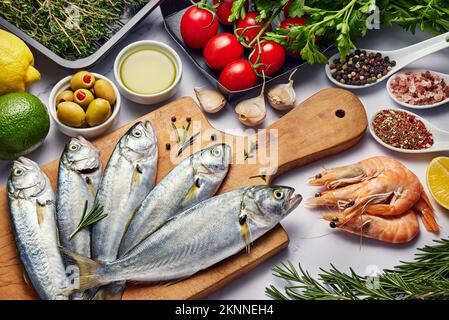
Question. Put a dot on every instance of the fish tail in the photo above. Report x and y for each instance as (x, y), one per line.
(89, 270)
(112, 291)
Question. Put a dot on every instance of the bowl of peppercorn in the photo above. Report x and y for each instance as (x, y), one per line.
(359, 69)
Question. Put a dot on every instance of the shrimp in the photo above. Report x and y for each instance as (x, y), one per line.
(355, 173)
(341, 198)
(400, 229)
(399, 187)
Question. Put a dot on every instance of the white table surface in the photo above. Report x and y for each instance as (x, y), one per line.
(311, 240)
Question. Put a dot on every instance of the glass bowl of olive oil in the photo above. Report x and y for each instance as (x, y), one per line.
(148, 71)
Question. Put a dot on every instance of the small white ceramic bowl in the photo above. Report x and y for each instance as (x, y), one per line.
(91, 132)
(148, 98)
(414, 106)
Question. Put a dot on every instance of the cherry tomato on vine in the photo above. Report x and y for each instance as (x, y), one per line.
(287, 8)
(272, 57)
(198, 26)
(253, 27)
(238, 75)
(285, 24)
(221, 50)
(223, 11)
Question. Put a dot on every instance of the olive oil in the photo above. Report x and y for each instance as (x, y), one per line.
(147, 71)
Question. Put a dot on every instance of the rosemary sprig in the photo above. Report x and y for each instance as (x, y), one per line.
(95, 214)
(426, 277)
(262, 176)
(187, 143)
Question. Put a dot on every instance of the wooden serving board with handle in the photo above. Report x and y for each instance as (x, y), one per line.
(327, 123)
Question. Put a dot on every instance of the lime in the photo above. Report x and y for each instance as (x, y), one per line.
(24, 124)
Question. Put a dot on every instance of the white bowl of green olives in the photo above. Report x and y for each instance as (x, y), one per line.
(84, 104)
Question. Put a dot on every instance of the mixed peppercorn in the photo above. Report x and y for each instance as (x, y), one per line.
(361, 67)
(402, 130)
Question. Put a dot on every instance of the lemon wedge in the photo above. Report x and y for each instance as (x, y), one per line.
(438, 180)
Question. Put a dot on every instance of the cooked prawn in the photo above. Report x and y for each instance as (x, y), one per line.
(355, 173)
(340, 198)
(400, 229)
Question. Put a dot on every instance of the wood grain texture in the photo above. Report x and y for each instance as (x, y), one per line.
(313, 130)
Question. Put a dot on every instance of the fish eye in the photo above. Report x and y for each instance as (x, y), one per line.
(216, 152)
(278, 194)
(136, 133)
(73, 147)
(18, 172)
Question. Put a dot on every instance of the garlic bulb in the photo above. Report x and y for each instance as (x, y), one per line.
(283, 96)
(211, 101)
(252, 112)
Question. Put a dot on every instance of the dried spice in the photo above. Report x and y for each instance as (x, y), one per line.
(402, 130)
(361, 67)
(419, 88)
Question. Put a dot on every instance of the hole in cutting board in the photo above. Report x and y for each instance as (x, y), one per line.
(340, 113)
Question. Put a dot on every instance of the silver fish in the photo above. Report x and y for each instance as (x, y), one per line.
(129, 177)
(197, 238)
(32, 206)
(78, 180)
(194, 180)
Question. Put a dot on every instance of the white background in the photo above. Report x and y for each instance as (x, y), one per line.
(311, 240)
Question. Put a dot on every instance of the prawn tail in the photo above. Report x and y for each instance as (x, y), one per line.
(425, 210)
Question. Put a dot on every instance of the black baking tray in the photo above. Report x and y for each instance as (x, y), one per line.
(124, 26)
(172, 12)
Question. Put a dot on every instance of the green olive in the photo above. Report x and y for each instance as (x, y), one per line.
(82, 80)
(98, 112)
(66, 95)
(71, 114)
(103, 89)
(83, 97)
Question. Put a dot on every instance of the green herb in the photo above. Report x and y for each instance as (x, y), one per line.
(343, 21)
(262, 176)
(187, 143)
(70, 28)
(253, 147)
(424, 278)
(95, 214)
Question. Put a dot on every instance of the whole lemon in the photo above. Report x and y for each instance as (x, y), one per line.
(16, 64)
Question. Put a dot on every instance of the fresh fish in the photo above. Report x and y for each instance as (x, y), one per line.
(197, 238)
(32, 206)
(195, 179)
(78, 181)
(129, 177)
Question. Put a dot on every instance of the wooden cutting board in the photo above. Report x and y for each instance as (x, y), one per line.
(327, 123)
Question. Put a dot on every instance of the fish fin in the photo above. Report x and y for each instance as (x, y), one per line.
(88, 270)
(26, 278)
(40, 208)
(137, 174)
(131, 217)
(91, 187)
(192, 193)
(245, 230)
(114, 291)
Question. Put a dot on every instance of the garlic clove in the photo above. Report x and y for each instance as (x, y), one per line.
(283, 96)
(252, 112)
(211, 101)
